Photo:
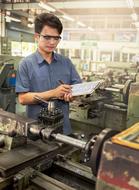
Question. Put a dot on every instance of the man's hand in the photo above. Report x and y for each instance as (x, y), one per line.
(61, 91)
(68, 97)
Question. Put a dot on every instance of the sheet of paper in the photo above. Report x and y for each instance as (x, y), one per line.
(84, 88)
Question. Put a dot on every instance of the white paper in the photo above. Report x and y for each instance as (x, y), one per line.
(84, 88)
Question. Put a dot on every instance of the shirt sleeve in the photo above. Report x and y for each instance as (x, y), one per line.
(22, 78)
(75, 78)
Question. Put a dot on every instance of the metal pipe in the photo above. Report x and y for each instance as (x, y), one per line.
(69, 140)
(113, 89)
(114, 107)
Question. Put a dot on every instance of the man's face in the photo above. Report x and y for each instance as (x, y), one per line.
(48, 39)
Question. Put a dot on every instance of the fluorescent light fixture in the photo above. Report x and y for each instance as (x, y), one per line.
(67, 18)
(30, 25)
(47, 7)
(9, 18)
(30, 19)
(134, 16)
(81, 24)
(90, 28)
(8, 13)
(136, 24)
(130, 3)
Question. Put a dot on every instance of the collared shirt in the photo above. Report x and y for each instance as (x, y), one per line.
(34, 74)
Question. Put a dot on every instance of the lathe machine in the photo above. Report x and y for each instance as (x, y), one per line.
(35, 155)
(105, 108)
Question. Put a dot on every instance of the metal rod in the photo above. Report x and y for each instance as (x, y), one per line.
(69, 140)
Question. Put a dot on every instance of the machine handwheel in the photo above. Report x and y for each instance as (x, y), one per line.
(97, 148)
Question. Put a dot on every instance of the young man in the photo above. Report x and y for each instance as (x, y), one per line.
(40, 73)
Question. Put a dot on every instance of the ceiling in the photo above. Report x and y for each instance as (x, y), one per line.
(96, 15)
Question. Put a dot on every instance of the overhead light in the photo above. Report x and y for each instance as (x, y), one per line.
(9, 18)
(134, 16)
(130, 3)
(47, 7)
(81, 24)
(136, 24)
(90, 28)
(30, 25)
(67, 18)
(30, 19)
(8, 13)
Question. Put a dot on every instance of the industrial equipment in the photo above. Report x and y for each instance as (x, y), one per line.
(133, 105)
(114, 73)
(7, 86)
(23, 162)
(105, 108)
(119, 164)
(45, 164)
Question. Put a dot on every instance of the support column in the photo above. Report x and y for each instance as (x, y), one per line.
(121, 53)
(137, 36)
(128, 57)
(2, 23)
(2, 28)
(98, 55)
(112, 55)
(94, 54)
(82, 54)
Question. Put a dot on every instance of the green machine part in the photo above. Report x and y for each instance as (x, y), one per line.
(133, 105)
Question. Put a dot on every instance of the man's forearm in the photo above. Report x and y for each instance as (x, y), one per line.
(28, 97)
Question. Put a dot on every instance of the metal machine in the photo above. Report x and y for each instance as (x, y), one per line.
(105, 108)
(115, 73)
(45, 163)
(133, 105)
(119, 163)
(30, 148)
(7, 85)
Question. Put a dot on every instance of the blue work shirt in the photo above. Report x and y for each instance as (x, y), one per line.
(34, 74)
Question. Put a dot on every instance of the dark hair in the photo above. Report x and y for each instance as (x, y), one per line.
(47, 19)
